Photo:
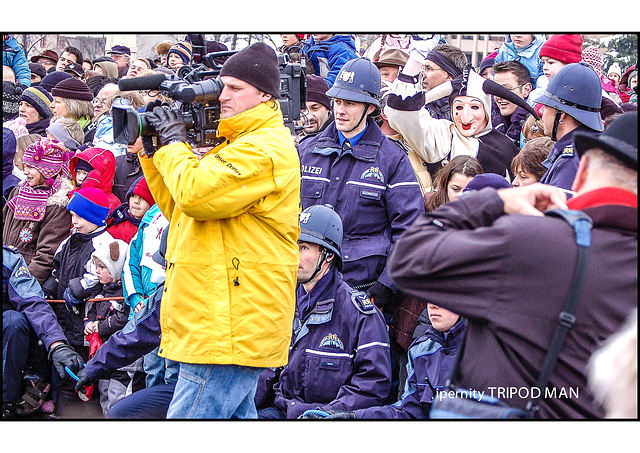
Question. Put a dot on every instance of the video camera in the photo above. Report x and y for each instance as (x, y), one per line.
(196, 88)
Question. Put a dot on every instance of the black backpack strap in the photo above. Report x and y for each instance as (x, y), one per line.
(582, 225)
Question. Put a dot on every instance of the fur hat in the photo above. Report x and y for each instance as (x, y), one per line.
(49, 157)
(39, 99)
(564, 48)
(163, 47)
(256, 65)
(112, 254)
(91, 204)
(317, 89)
(73, 89)
(184, 51)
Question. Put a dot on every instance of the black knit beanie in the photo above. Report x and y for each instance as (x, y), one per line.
(73, 89)
(256, 65)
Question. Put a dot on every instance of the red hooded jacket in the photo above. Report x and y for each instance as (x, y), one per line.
(104, 169)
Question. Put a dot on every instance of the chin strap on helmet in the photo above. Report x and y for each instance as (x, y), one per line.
(321, 259)
(556, 122)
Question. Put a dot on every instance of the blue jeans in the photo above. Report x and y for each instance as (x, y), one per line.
(215, 391)
(159, 370)
(148, 403)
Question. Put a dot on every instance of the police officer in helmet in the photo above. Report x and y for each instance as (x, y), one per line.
(339, 357)
(571, 104)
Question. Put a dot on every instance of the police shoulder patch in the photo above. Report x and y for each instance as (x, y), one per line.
(362, 302)
(567, 151)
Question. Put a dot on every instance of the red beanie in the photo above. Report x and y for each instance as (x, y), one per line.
(142, 190)
(564, 48)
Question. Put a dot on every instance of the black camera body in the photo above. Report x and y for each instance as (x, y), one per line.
(195, 90)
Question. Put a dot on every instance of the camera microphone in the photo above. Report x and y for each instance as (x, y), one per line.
(151, 82)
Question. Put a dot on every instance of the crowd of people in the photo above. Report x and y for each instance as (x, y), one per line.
(391, 248)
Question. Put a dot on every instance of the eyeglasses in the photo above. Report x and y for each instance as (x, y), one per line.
(150, 93)
(101, 101)
(511, 89)
(427, 68)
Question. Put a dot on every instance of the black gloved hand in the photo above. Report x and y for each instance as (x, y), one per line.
(168, 124)
(64, 355)
(148, 146)
(83, 381)
(379, 294)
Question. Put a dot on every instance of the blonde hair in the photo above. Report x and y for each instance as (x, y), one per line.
(22, 143)
(79, 109)
(533, 127)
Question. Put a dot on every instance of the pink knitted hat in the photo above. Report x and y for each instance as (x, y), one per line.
(49, 157)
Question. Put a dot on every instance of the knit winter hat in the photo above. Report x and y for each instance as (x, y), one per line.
(141, 189)
(614, 69)
(91, 204)
(256, 65)
(564, 48)
(591, 55)
(487, 180)
(317, 89)
(112, 255)
(184, 51)
(49, 157)
(73, 89)
(53, 78)
(39, 99)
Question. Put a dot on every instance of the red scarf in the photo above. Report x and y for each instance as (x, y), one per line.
(602, 197)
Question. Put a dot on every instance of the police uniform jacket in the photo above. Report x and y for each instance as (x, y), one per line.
(562, 162)
(339, 357)
(373, 188)
(431, 360)
(510, 276)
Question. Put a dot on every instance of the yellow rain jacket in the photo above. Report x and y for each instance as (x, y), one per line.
(232, 254)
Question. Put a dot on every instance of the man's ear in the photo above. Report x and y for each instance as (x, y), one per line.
(526, 89)
(581, 174)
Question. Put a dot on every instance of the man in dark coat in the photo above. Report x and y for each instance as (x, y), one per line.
(509, 274)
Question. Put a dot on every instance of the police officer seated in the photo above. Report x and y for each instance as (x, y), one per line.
(339, 357)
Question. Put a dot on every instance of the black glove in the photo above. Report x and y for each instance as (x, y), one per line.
(148, 147)
(379, 294)
(83, 381)
(64, 355)
(168, 124)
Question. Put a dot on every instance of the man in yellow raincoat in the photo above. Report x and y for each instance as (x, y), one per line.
(232, 253)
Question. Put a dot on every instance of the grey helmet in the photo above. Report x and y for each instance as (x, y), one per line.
(321, 225)
(358, 80)
(576, 90)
